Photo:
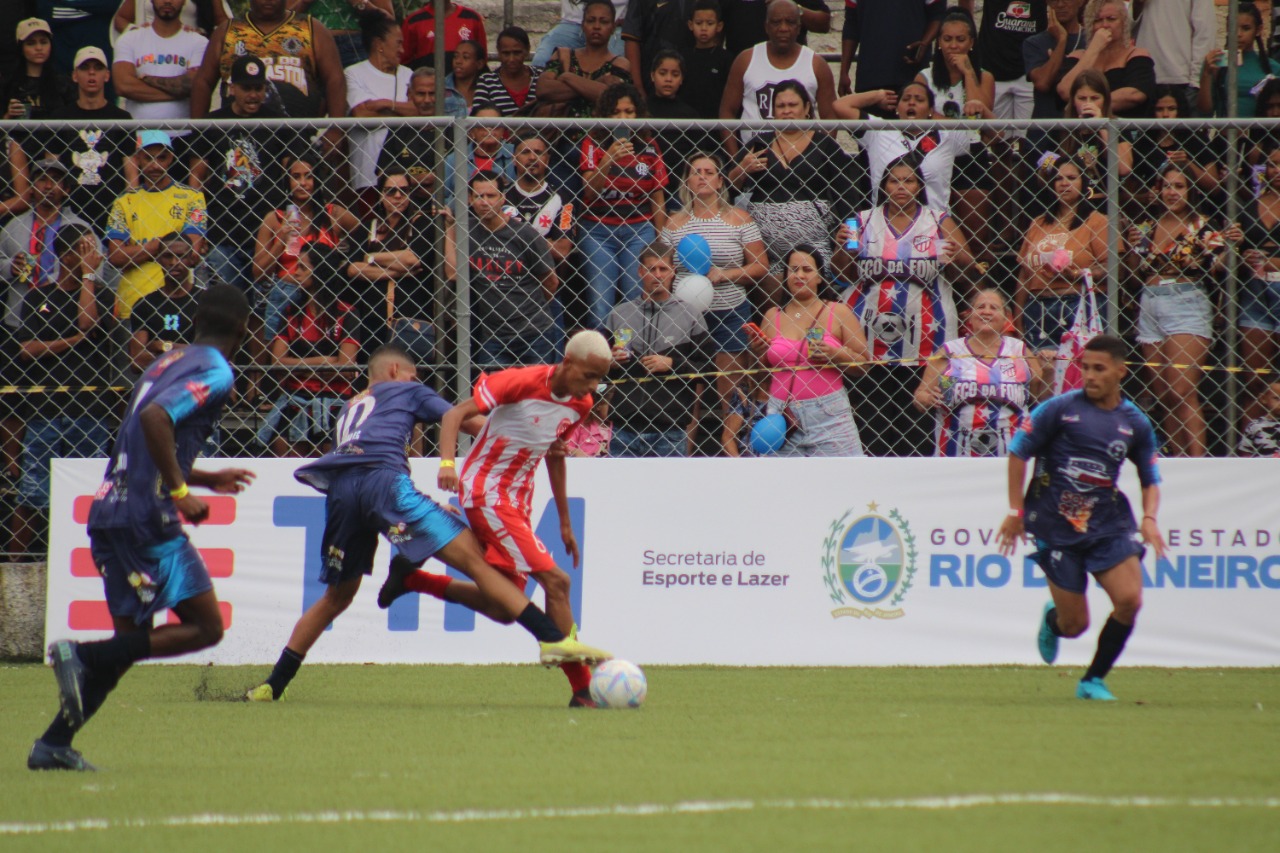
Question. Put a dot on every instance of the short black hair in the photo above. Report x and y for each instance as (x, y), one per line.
(221, 312)
(613, 12)
(707, 6)
(69, 237)
(485, 175)
(1110, 344)
(663, 55)
(374, 25)
(514, 33)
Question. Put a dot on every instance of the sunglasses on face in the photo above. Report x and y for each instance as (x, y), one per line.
(396, 190)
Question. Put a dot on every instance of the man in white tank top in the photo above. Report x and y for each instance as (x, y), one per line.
(748, 93)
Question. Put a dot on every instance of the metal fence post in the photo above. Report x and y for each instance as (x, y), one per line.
(461, 254)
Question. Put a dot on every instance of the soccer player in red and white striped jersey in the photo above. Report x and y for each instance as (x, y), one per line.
(529, 410)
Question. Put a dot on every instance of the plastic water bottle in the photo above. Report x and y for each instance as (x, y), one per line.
(854, 241)
(294, 217)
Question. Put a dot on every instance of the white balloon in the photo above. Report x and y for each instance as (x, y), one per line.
(696, 290)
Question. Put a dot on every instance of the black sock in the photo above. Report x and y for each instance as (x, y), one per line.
(117, 653)
(1111, 642)
(285, 669)
(1051, 619)
(97, 685)
(539, 625)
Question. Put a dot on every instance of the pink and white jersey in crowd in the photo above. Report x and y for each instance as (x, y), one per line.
(525, 419)
(986, 401)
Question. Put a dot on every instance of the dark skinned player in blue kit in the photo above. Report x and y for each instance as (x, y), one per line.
(1081, 521)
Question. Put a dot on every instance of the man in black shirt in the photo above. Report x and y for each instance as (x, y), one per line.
(410, 148)
(892, 39)
(162, 319)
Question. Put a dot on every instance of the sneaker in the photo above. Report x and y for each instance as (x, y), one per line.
(1047, 640)
(1093, 688)
(70, 672)
(582, 699)
(394, 587)
(569, 650)
(262, 693)
(46, 757)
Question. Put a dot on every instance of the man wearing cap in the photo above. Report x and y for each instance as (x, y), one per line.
(97, 158)
(155, 65)
(240, 170)
(158, 206)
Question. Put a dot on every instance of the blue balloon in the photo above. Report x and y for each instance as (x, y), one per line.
(769, 434)
(694, 254)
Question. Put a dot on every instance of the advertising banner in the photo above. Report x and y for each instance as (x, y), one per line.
(843, 562)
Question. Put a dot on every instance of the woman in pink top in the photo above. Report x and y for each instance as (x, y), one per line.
(814, 342)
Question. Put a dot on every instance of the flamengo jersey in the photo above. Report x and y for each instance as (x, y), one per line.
(525, 419)
(289, 54)
(903, 302)
(985, 401)
(192, 384)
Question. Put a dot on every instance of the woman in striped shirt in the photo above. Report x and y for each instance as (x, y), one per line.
(513, 85)
(738, 260)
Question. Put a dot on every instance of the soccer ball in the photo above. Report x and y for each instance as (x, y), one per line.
(618, 684)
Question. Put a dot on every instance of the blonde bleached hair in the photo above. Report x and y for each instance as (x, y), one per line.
(588, 344)
(1126, 22)
(686, 197)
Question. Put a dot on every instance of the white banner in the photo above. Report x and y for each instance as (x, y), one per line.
(749, 562)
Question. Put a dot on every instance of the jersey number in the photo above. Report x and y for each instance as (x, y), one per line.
(355, 415)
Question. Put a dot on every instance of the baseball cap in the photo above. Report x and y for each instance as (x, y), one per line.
(148, 138)
(30, 26)
(84, 54)
(48, 164)
(248, 69)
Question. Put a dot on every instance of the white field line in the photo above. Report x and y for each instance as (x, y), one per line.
(692, 807)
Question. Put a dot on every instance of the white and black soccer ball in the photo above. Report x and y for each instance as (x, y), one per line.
(618, 684)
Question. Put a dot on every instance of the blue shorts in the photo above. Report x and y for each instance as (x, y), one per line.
(1069, 568)
(725, 327)
(364, 503)
(145, 578)
(47, 439)
(1260, 305)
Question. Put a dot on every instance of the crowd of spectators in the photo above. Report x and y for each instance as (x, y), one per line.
(944, 257)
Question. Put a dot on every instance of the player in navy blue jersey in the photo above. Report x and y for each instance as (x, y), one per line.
(1080, 519)
(369, 492)
(147, 563)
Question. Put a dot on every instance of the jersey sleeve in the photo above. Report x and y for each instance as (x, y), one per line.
(1037, 430)
(118, 221)
(1143, 451)
(507, 386)
(207, 388)
(194, 220)
(429, 407)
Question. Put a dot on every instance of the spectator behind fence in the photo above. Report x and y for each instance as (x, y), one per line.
(344, 20)
(487, 150)
(78, 25)
(1261, 435)
(241, 171)
(31, 87)
(891, 39)
(162, 319)
(1060, 244)
(738, 263)
(1090, 99)
(1253, 68)
(980, 387)
(15, 180)
(1175, 143)
(746, 22)
(935, 149)
(309, 217)
(513, 280)
(624, 179)
(1260, 287)
(1177, 34)
(801, 184)
(141, 216)
(578, 77)
(593, 439)
(812, 344)
(903, 298)
(98, 157)
(460, 24)
(469, 62)
(567, 32)
(666, 80)
(65, 341)
(1006, 25)
(655, 337)
(319, 338)
(376, 87)
(303, 67)
(410, 148)
(756, 73)
(513, 85)
(202, 16)
(1044, 52)
(548, 208)
(1129, 70)
(155, 65)
(1175, 258)
(393, 273)
(706, 61)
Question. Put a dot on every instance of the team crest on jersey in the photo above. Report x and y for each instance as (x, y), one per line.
(923, 244)
(868, 563)
(1117, 450)
(292, 45)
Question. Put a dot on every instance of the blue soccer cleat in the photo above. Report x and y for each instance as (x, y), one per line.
(46, 757)
(70, 673)
(1047, 640)
(1093, 688)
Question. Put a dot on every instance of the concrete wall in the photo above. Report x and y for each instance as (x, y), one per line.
(22, 598)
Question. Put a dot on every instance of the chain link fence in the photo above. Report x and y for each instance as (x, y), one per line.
(481, 243)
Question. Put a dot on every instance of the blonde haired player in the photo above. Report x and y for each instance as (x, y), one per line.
(530, 410)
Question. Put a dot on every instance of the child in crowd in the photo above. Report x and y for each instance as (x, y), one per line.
(708, 62)
(678, 143)
(489, 149)
(591, 438)
(1262, 435)
(469, 62)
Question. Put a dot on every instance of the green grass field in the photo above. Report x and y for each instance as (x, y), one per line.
(451, 758)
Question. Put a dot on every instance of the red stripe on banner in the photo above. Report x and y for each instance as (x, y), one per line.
(222, 509)
(82, 565)
(221, 562)
(224, 607)
(89, 616)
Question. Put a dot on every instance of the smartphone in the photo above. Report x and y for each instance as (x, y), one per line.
(814, 334)
(753, 328)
